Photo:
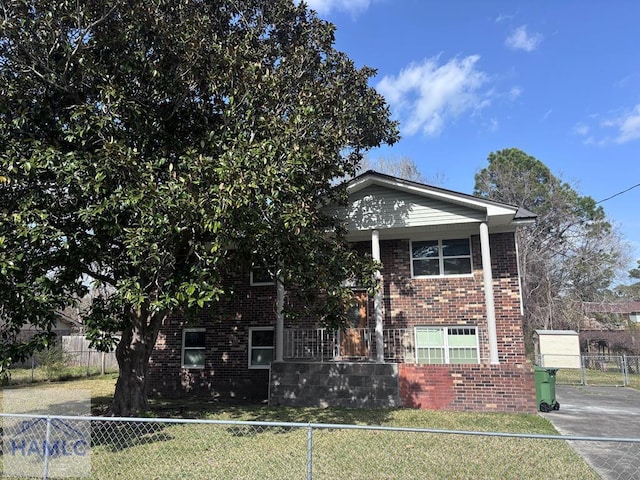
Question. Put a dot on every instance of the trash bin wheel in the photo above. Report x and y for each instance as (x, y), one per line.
(545, 407)
(556, 406)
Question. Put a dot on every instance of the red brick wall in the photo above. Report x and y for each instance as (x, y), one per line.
(455, 300)
(226, 372)
(484, 388)
(407, 302)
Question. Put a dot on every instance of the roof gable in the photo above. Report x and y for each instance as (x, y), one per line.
(382, 201)
(376, 206)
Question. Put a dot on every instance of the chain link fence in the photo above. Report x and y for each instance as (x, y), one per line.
(125, 448)
(605, 370)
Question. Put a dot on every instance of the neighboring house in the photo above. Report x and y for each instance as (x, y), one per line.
(65, 325)
(444, 331)
(611, 328)
(67, 322)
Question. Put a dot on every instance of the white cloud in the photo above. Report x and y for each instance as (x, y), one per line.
(621, 126)
(585, 131)
(504, 17)
(425, 96)
(514, 93)
(581, 129)
(628, 125)
(351, 6)
(520, 39)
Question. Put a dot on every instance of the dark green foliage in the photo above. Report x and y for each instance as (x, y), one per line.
(152, 146)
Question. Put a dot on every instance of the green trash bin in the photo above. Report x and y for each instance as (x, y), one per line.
(545, 379)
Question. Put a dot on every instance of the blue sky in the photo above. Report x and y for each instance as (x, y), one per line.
(559, 80)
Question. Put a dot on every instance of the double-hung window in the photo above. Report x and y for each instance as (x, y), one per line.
(261, 347)
(446, 345)
(193, 347)
(433, 258)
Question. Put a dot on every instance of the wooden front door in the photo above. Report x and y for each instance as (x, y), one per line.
(354, 340)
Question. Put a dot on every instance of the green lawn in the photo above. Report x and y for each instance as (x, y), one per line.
(595, 377)
(156, 450)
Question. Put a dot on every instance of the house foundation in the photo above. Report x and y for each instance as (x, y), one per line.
(485, 388)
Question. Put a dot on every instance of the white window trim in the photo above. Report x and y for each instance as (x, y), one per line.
(259, 284)
(445, 346)
(204, 349)
(250, 348)
(441, 257)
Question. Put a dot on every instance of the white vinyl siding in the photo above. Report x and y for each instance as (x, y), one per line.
(382, 207)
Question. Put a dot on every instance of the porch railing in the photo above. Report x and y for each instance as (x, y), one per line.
(318, 344)
(399, 345)
(322, 344)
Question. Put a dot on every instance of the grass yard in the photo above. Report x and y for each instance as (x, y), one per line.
(156, 450)
(568, 376)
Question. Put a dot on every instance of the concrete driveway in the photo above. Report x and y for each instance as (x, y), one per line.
(612, 412)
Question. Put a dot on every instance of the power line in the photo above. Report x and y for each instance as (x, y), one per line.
(619, 193)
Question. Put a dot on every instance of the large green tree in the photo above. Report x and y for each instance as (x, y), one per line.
(570, 255)
(152, 146)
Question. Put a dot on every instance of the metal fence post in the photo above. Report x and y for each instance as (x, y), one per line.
(625, 371)
(45, 448)
(583, 373)
(309, 452)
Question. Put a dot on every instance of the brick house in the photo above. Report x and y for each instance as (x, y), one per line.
(611, 328)
(444, 330)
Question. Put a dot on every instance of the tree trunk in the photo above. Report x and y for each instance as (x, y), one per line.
(132, 353)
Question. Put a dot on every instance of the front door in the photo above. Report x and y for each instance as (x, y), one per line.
(354, 340)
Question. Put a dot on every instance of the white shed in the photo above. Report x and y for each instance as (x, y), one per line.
(557, 348)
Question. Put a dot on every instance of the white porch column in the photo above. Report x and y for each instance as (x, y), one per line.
(488, 293)
(377, 298)
(279, 320)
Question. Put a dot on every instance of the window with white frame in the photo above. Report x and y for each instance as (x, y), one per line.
(433, 258)
(262, 276)
(261, 347)
(193, 347)
(447, 345)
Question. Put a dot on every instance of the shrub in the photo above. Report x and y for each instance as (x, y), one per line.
(53, 361)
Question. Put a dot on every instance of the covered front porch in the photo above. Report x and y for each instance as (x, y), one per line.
(381, 344)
